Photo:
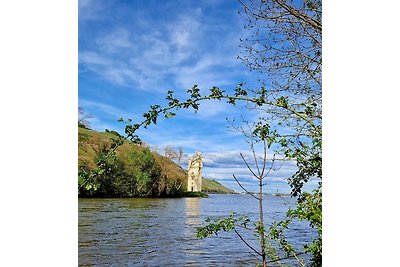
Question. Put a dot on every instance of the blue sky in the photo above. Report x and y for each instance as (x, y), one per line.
(132, 52)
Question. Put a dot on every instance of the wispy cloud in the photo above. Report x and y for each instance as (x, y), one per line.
(92, 59)
(115, 41)
(221, 166)
(178, 53)
(113, 111)
(91, 10)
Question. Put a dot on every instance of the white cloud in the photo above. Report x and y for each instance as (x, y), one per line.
(174, 138)
(91, 58)
(222, 165)
(121, 75)
(114, 70)
(115, 41)
(105, 108)
(91, 9)
(185, 32)
(180, 37)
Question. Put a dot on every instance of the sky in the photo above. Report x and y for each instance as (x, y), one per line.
(132, 52)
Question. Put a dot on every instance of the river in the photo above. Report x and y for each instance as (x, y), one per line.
(161, 232)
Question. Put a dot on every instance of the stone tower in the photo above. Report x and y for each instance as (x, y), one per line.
(195, 167)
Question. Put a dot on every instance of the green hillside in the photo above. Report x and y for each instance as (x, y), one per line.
(133, 171)
(212, 186)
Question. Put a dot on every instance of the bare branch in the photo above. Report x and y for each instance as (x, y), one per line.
(247, 244)
(271, 167)
(237, 181)
(295, 12)
(248, 167)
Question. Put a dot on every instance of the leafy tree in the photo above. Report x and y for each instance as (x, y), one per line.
(99, 180)
(266, 236)
(145, 171)
(87, 182)
(136, 176)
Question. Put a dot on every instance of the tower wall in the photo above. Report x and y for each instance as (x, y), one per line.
(195, 167)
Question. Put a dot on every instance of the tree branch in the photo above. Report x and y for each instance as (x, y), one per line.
(237, 181)
(313, 23)
(244, 241)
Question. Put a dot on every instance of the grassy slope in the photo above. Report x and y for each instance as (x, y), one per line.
(212, 186)
(89, 139)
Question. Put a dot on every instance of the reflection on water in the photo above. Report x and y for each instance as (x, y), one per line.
(192, 250)
(161, 232)
(192, 208)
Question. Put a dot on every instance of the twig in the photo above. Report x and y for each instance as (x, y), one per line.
(248, 167)
(237, 181)
(244, 241)
(288, 257)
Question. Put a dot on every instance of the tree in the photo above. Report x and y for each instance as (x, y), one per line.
(180, 155)
(285, 43)
(83, 118)
(146, 172)
(266, 236)
(285, 47)
(169, 152)
(98, 181)
(175, 154)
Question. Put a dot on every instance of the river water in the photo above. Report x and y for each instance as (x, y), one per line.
(161, 232)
